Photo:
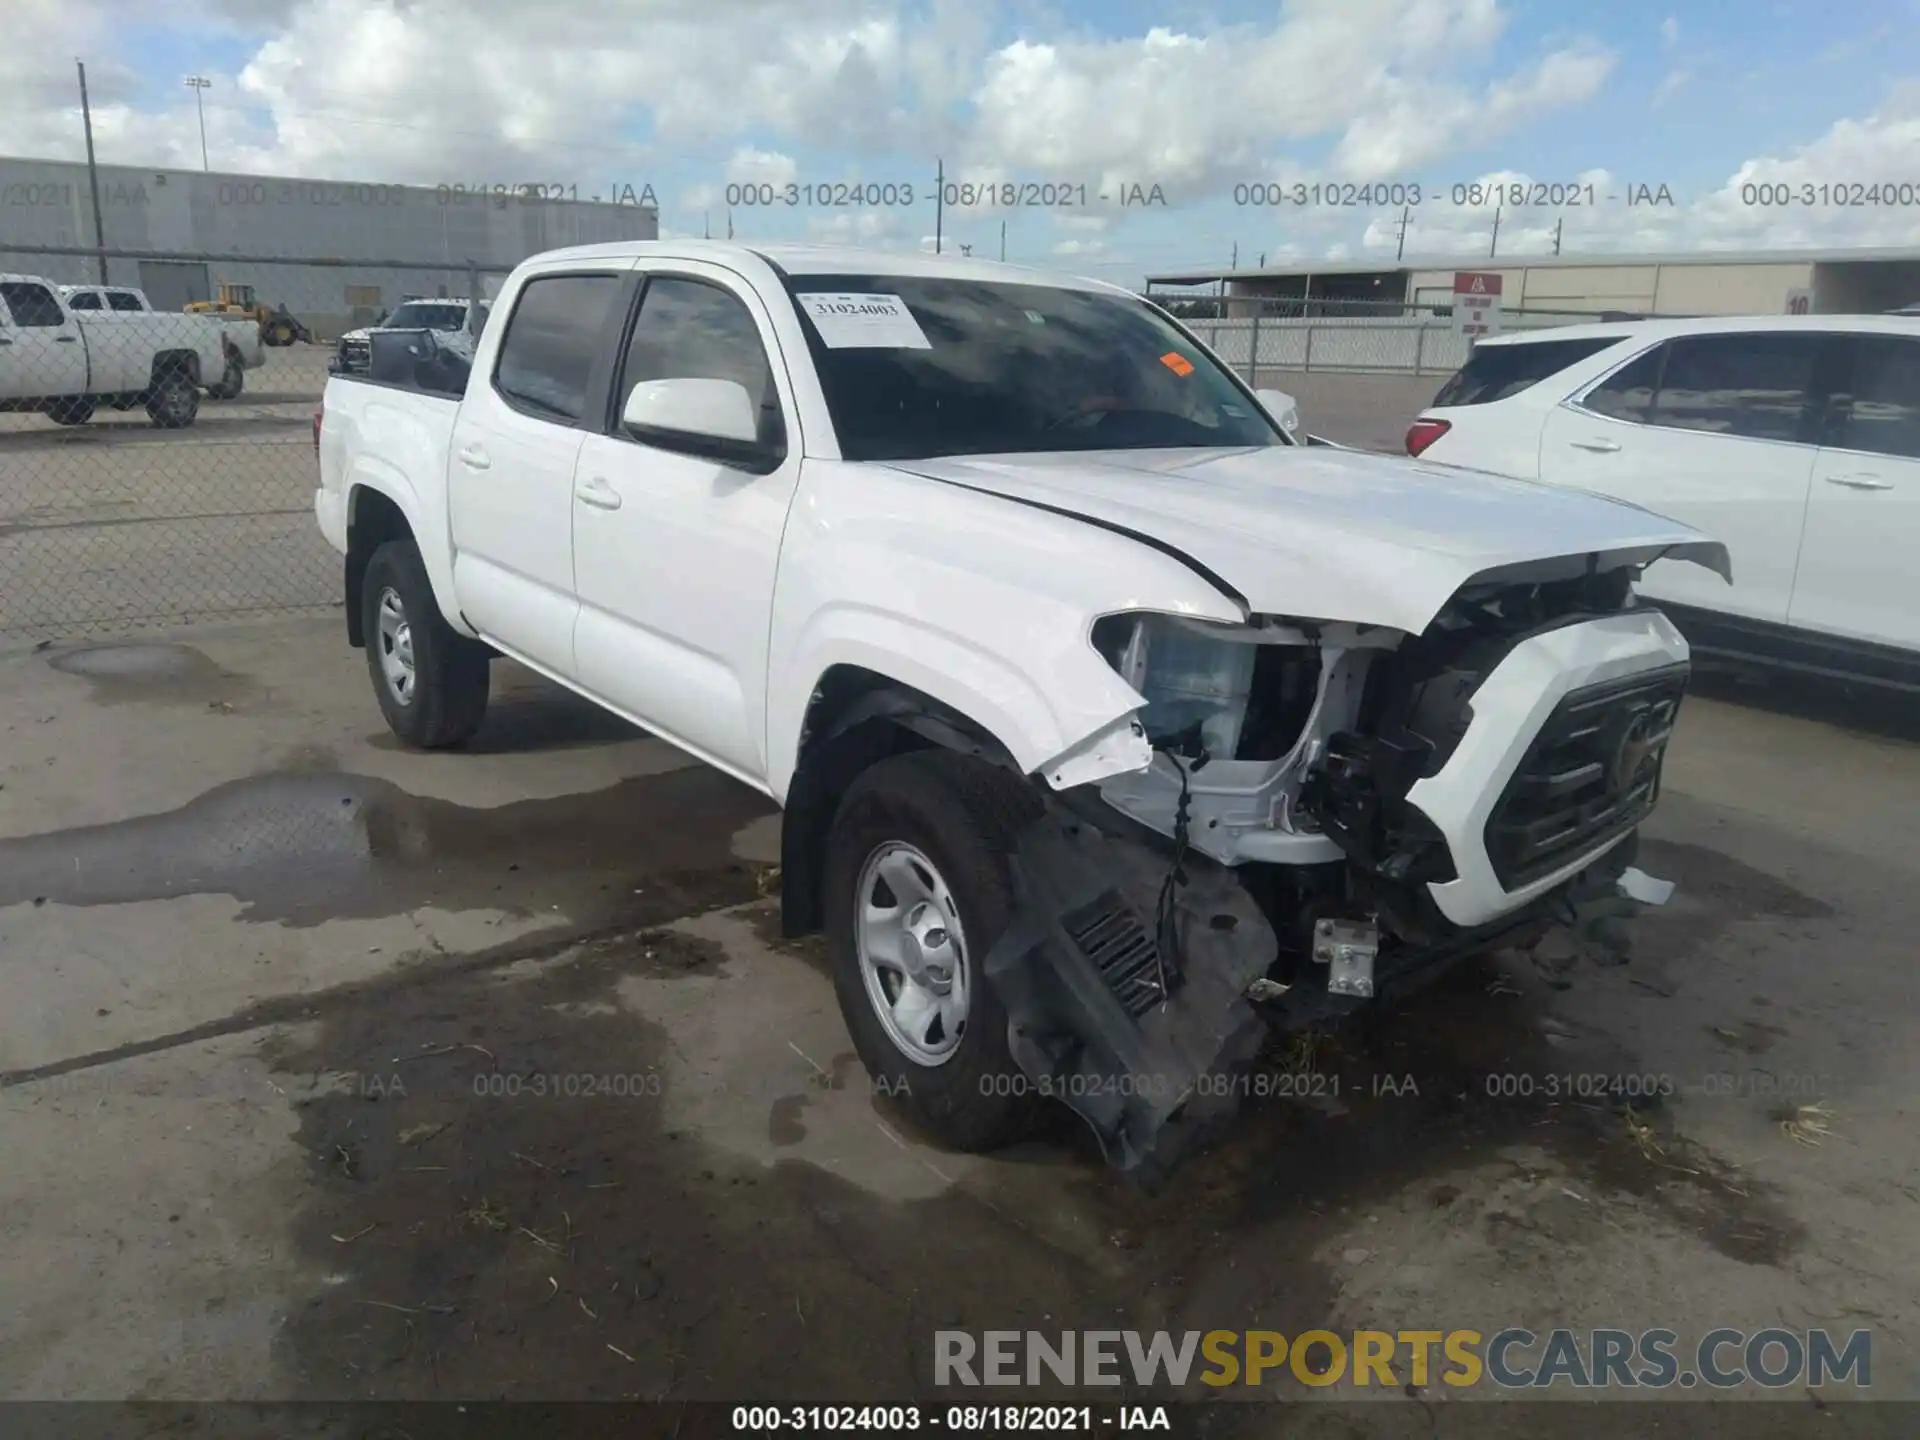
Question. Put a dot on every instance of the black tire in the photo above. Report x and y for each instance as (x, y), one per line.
(279, 333)
(174, 401)
(448, 696)
(231, 382)
(962, 814)
(75, 411)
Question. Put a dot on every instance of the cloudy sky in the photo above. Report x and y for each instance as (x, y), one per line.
(1182, 103)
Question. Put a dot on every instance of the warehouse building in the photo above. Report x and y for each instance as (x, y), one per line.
(188, 231)
(1836, 282)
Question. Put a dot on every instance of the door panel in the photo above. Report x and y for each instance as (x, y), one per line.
(675, 553)
(43, 353)
(1863, 518)
(510, 472)
(1712, 431)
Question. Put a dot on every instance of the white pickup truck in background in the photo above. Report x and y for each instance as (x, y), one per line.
(244, 348)
(1109, 723)
(66, 363)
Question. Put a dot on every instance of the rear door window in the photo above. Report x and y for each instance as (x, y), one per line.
(122, 300)
(1493, 372)
(85, 300)
(1752, 385)
(553, 337)
(1882, 414)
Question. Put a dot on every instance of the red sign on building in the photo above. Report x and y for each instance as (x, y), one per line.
(1476, 303)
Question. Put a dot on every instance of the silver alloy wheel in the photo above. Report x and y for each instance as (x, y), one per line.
(396, 646)
(912, 952)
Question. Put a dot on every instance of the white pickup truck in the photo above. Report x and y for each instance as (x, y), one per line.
(1108, 723)
(242, 346)
(65, 363)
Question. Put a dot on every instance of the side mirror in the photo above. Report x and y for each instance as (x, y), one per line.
(1282, 407)
(688, 409)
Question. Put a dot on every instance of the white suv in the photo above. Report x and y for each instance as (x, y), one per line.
(1795, 440)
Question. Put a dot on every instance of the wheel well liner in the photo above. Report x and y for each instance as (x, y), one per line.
(166, 361)
(372, 520)
(856, 718)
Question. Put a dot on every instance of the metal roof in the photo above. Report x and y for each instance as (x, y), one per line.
(1538, 262)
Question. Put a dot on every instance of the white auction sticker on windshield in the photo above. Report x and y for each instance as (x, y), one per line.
(864, 322)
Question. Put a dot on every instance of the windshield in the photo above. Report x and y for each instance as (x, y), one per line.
(916, 366)
(428, 317)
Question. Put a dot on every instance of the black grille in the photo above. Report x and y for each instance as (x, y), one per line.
(1110, 935)
(356, 354)
(1591, 775)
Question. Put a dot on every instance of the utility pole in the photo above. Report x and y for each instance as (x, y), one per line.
(1003, 240)
(1494, 244)
(706, 224)
(729, 222)
(199, 84)
(93, 174)
(1556, 233)
(939, 200)
(1406, 219)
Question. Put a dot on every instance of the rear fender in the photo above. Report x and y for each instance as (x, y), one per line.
(367, 473)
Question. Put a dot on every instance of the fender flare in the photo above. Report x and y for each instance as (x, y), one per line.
(884, 720)
(370, 473)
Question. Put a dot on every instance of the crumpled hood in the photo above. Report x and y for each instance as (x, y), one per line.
(1330, 534)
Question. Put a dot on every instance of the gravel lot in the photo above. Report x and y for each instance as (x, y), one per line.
(115, 524)
(266, 984)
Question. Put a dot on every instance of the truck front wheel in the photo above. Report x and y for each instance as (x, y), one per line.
(233, 379)
(917, 892)
(431, 680)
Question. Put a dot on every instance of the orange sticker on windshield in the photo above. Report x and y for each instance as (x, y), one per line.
(1177, 363)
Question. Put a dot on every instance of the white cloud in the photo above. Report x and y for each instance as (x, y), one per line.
(1850, 158)
(488, 91)
(1671, 84)
(427, 90)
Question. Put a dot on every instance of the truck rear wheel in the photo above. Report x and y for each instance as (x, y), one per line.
(174, 401)
(917, 892)
(431, 681)
(75, 411)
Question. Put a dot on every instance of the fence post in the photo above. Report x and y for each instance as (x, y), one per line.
(1253, 346)
(1306, 360)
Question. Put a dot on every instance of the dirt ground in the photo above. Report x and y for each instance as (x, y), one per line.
(333, 1071)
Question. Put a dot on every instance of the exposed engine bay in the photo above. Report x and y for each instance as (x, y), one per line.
(1332, 815)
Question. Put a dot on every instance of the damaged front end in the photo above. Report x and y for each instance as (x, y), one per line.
(1329, 816)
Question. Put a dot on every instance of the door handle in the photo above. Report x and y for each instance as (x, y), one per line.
(65, 339)
(474, 458)
(1601, 447)
(599, 494)
(1862, 481)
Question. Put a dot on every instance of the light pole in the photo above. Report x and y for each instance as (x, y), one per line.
(199, 84)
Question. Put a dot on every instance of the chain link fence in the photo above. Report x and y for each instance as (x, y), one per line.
(1344, 336)
(156, 459)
